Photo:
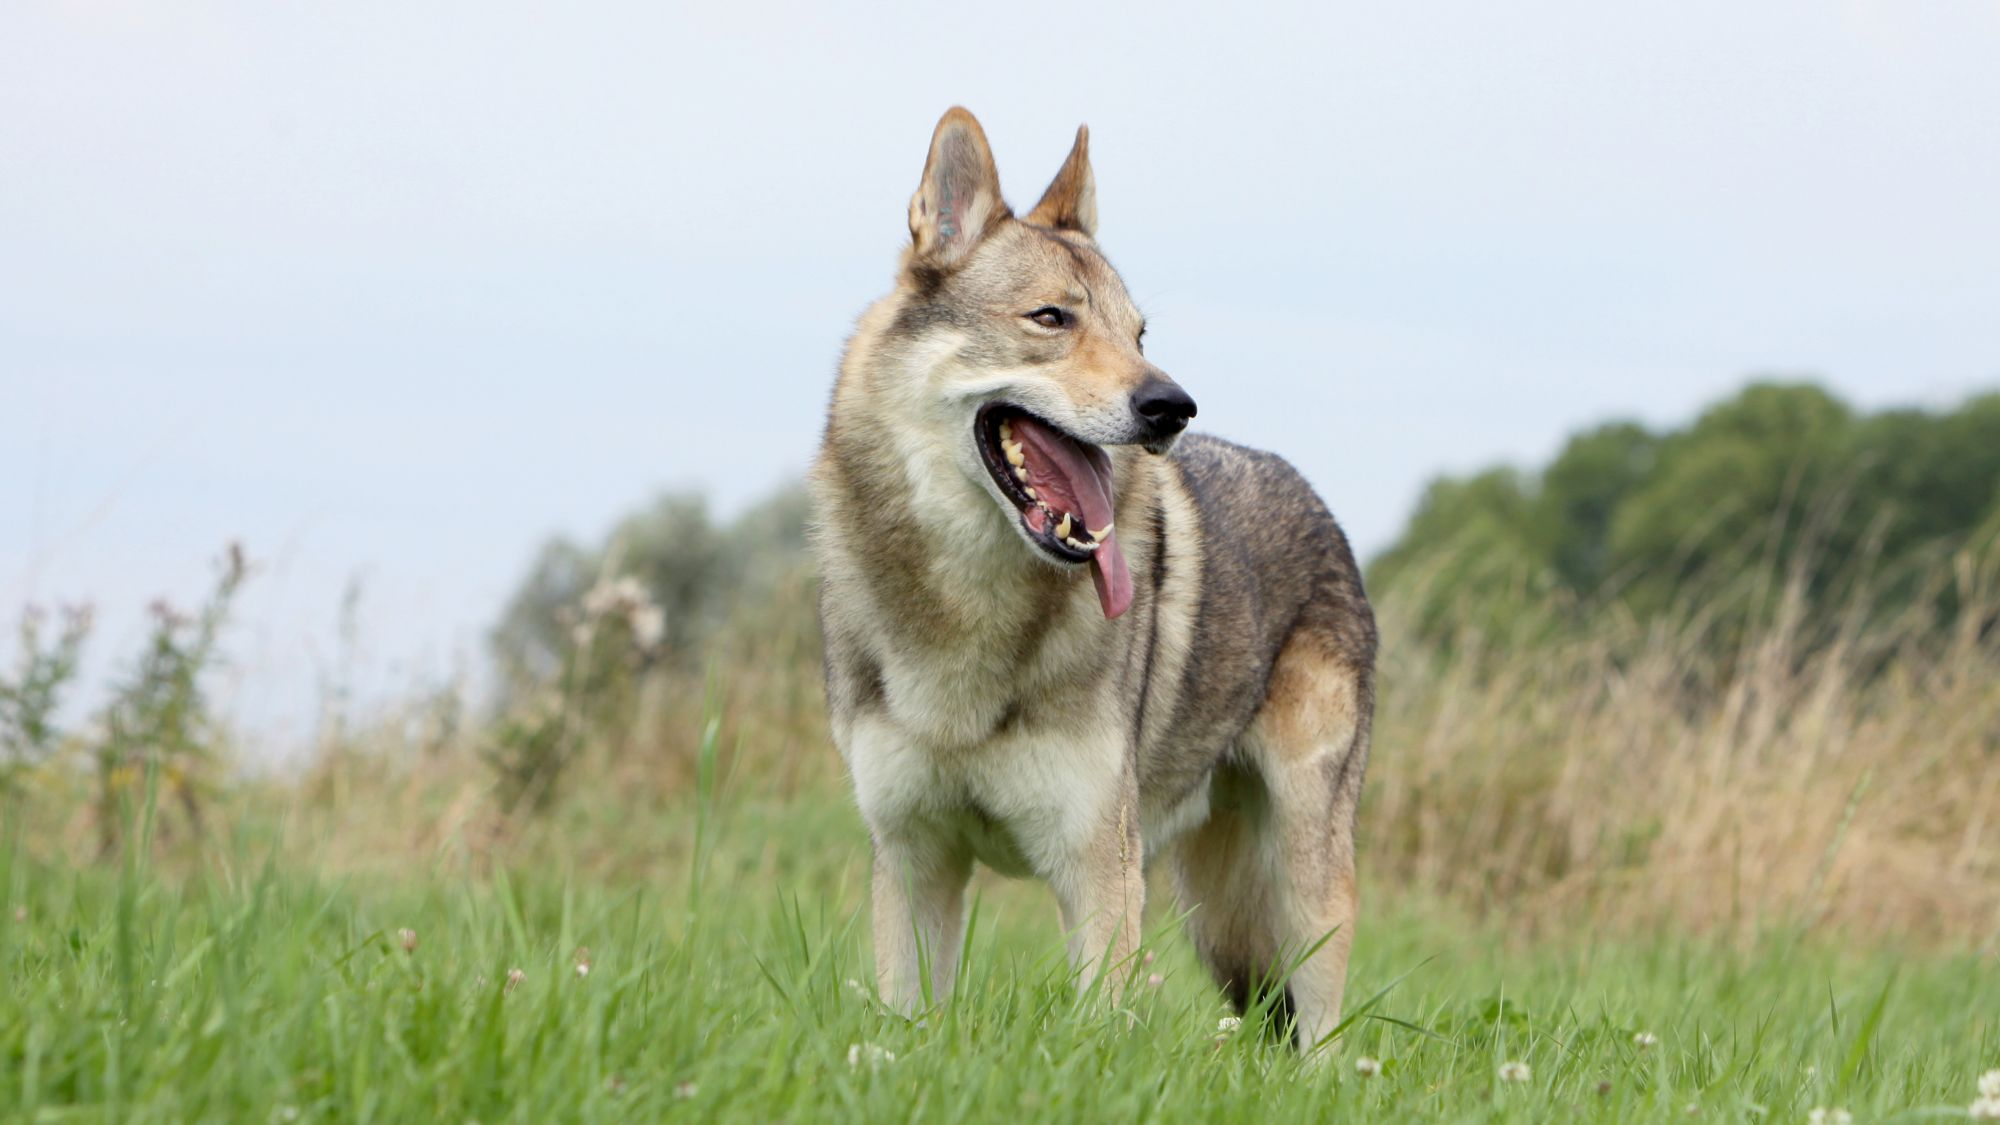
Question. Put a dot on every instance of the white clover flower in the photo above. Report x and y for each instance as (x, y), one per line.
(1367, 1067)
(582, 958)
(1228, 1024)
(1645, 1039)
(1155, 981)
(514, 979)
(1515, 1071)
(1989, 1084)
(1829, 1115)
(1987, 1108)
(858, 1053)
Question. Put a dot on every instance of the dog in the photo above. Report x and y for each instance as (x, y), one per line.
(1067, 640)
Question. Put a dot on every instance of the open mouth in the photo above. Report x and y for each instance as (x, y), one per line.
(1061, 488)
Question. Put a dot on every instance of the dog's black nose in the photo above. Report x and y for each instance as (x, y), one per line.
(1163, 407)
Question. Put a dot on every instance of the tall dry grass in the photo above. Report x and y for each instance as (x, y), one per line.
(1834, 775)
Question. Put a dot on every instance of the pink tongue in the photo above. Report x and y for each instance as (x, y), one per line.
(1076, 478)
(1113, 578)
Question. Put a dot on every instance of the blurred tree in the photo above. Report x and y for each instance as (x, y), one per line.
(1780, 483)
(698, 573)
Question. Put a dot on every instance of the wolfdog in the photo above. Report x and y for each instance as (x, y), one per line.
(1202, 698)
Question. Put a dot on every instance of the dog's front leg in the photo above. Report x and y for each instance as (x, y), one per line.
(918, 915)
(1101, 888)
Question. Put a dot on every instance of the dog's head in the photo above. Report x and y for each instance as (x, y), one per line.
(1018, 335)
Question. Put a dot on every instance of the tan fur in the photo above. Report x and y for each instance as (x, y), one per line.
(987, 708)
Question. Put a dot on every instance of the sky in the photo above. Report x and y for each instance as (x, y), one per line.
(392, 292)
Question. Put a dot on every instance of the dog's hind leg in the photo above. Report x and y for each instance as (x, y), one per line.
(1271, 876)
(1222, 879)
(918, 917)
(1309, 741)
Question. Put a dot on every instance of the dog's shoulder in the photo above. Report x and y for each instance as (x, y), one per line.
(1273, 553)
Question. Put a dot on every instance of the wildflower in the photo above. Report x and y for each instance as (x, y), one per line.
(514, 979)
(1367, 1067)
(1155, 981)
(649, 627)
(1148, 959)
(582, 961)
(1989, 1084)
(1515, 1071)
(859, 990)
(1644, 1040)
(408, 938)
(858, 1053)
(1228, 1024)
(1823, 1115)
(685, 1090)
(1987, 1108)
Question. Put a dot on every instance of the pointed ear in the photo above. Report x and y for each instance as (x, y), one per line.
(1071, 201)
(959, 203)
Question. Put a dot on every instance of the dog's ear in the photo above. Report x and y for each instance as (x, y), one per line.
(1071, 201)
(959, 203)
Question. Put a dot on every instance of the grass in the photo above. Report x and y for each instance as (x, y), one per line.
(259, 988)
(1776, 856)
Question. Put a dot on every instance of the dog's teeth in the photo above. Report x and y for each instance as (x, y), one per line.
(1062, 529)
(1006, 432)
(1015, 457)
(1031, 493)
(1101, 532)
(1020, 474)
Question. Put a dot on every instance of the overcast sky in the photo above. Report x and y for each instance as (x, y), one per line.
(392, 291)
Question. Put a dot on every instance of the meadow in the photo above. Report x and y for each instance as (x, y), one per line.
(1619, 873)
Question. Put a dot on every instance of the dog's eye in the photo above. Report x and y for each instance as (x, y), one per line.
(1050, 317)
